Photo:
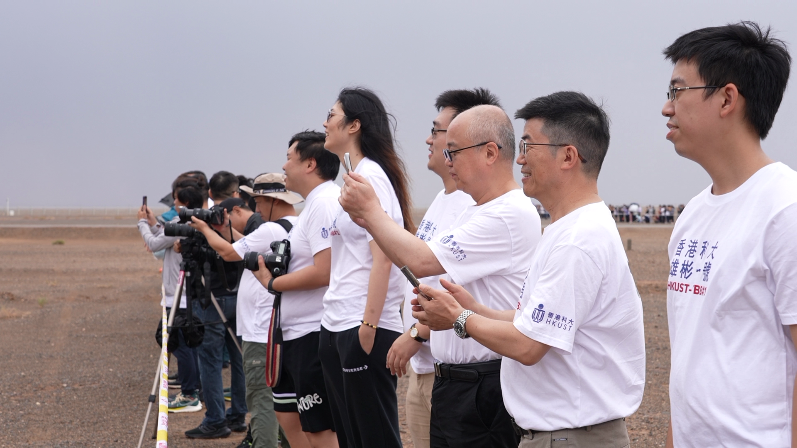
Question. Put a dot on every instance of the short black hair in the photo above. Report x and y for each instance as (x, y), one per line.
(462, 99)
(745, 55)
(223, 184)
(572, 118)
(190, 194)
(198, 177)
(310, 145)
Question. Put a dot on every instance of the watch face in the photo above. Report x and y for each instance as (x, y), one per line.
(459, 329)
(414, 332)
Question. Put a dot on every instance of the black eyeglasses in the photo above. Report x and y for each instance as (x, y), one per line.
(673, 90)
(449, 154)
(332, 113)
(523, 145)
(435, 131)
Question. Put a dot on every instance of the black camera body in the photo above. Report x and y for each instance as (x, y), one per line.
(277, 261)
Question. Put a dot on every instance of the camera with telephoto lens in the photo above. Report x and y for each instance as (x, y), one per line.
(215, 215)
(276, 262)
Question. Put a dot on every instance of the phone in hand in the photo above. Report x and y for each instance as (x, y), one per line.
(347, 163)
(144, 203)
(413, 281)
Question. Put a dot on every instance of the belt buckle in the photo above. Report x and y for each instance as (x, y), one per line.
(437, 369)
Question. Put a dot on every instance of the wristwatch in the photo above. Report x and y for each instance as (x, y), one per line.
(415, 335)
(459, 324)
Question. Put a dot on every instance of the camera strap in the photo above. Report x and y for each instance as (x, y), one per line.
(285, 224)
(274, 346)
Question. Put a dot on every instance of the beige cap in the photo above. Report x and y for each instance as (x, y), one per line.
(273, 186)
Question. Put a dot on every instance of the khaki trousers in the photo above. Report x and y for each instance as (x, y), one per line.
(419, 406)
(259, 399)
(612, 434)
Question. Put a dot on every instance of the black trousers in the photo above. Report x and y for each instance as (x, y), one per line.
(361, 390)
(470, 414)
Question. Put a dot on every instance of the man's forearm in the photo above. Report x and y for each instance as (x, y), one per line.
(310, 277)
(402, 247)
(503, 338)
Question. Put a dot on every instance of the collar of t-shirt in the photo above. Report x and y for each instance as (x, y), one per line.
(320, 188)
(253, 223)
(762, 174)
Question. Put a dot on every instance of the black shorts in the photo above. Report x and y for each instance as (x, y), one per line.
(301, 363)
(284, 392)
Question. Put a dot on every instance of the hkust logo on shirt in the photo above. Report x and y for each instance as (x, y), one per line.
(539, 315)
(334, 229)
(456, 249)
(324, 233)
(691, 263)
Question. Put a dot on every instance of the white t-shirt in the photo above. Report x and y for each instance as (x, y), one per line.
(487, 251)
(732, 291)
(344, 302)
(253, 309)
(301, 311)
(440, 216)
(579, 298)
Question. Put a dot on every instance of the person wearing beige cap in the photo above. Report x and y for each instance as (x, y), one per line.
(275, 204)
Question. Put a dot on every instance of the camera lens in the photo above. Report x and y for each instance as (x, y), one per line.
(250, 261)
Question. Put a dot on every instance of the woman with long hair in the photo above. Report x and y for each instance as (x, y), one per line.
(361, 307)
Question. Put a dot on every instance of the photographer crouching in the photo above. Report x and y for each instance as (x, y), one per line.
(185, 195)
(275, 204)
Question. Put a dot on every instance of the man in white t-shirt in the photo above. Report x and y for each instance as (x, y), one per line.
(487, 248)
(310, 171)
(275, 205)
(732, 280)
(573, 347)
(413, 344)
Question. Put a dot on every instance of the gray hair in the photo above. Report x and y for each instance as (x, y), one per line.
(492, 124)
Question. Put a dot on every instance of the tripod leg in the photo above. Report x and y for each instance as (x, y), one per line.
(224, 320)
(152, 397)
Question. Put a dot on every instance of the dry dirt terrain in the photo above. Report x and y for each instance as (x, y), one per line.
(79, 307)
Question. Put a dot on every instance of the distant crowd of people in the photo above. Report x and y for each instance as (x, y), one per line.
(633, 212)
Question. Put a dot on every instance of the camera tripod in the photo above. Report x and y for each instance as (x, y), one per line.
(190, 275)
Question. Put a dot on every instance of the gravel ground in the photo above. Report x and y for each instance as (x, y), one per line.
(77, 321)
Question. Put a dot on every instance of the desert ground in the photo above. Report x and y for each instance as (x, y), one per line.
(79, 307)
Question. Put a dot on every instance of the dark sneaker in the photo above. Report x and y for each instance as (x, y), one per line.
(247, 441)
(208, 432)
(237, 425)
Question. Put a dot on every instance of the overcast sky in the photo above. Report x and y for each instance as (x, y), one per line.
(103, 102)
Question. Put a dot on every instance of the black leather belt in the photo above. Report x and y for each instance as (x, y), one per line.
(467, 372)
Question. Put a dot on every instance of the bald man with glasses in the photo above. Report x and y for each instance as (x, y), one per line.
(486, 249)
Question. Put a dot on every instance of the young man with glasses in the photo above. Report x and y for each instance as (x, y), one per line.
(573, 343)
(411, 353)
(732, 282)
(486, 249)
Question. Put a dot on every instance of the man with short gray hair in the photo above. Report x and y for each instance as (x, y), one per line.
(487, 250)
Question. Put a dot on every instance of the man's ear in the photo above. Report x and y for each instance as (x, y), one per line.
(568, 156)
(492, 153)
(730, 99)
(310, 165)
